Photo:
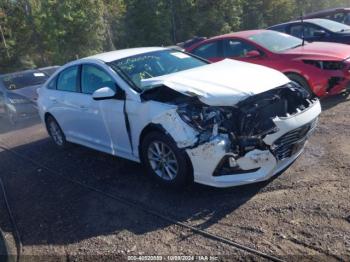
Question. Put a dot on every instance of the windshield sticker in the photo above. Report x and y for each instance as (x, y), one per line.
(39, 74)
(180, 55)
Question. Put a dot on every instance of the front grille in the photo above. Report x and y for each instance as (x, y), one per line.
(293, 141)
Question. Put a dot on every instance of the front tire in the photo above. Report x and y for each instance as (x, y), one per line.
(301, 81)
(164, 161)
(56, 132)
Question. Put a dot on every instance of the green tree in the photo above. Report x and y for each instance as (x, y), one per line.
(71, 28)
(147, 22)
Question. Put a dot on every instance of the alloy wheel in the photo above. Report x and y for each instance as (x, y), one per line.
(56, 133)
(163, 160)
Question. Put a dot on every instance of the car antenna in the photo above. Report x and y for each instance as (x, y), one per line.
(303, 29)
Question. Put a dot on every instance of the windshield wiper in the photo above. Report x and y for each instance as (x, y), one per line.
(298, 46)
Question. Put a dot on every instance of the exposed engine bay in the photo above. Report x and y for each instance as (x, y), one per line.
(246, 123)
(244, 137)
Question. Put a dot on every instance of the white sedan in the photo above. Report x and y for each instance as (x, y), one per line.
(223, 124)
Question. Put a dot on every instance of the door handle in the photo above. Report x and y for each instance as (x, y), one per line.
(53, 99)
(82, 107)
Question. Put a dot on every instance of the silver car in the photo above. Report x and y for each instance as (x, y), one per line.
(18, 94)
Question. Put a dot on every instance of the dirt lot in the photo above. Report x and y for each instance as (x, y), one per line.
(302, 214)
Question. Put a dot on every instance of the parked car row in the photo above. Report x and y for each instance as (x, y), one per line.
(231, 110)
(321, 68)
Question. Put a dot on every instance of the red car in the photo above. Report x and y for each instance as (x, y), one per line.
(322, 68)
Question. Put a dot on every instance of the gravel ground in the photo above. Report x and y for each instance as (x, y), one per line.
(303, 213)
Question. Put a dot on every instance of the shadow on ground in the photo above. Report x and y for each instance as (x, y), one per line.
(50, 210)
(332, 101)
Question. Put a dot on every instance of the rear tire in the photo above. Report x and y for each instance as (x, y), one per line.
(164, 161)
(56, 132)
(301, 81)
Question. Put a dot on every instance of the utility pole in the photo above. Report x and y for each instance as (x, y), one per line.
(4, 41)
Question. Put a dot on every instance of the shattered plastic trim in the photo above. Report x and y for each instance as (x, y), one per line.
(183, 134)
(286, 124)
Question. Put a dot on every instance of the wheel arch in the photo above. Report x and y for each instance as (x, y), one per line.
(158, 128)
(46, 117)
(308, 85)
(297, 74)
(148, 129)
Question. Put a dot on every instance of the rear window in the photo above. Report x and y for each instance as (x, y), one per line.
(20, 80)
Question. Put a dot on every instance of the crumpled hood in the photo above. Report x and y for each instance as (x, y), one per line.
(221, 84)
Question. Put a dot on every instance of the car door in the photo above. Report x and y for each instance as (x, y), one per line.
(310, 32)
(211, 51)
(65, 102)
(103, 123)
(241, 50)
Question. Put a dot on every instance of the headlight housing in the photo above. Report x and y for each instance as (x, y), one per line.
(201, 117)
(326, 65)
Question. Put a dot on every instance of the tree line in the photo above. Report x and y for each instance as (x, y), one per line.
(36, 33)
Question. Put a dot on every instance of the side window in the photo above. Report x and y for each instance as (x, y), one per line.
(347, 18)
(68, 80)
(310, 30)
(279, 28)
(94, 78)
(209, 50)
(339, 17)
(52, 84)
(236, 48)
(296, 30)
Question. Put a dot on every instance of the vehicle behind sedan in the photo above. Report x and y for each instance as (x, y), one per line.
(18, 94)
(182, 117)
(320, 68)
(341, 15)
(316, 30)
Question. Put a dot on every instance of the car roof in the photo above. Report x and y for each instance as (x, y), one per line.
(123, 53)
(14, 74)
(312, 20)
(327, 11)
(242, 34)
(48, 67)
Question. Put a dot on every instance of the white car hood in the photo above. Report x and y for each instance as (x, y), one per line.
(223, 83)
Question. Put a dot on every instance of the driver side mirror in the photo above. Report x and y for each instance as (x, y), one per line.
(253, 54)
(104, 93)
(319, 33)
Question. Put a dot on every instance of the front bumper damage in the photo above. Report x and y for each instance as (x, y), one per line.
(247, 142)
(264, 163)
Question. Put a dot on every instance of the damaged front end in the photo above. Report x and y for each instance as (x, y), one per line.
(252, 140)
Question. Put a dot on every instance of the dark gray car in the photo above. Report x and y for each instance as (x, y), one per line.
(18, 94)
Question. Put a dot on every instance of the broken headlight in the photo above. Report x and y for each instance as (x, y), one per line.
(201, 117)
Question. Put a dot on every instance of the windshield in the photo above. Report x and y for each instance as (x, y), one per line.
(20, 80)
(331, 25)
(153, 64)
(275, 41)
